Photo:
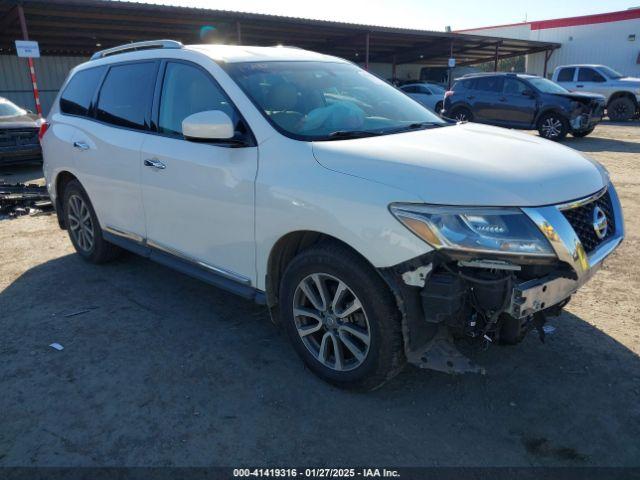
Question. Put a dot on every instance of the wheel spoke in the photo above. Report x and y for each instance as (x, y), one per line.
(307, 312)
(322, 290)
(337, 353)
(324, 347)
(351, 309)
(311, 295)
(73, 222)
(360, 334)
(337, 297)
(359, 354)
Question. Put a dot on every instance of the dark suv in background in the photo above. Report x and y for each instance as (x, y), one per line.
(523, 101)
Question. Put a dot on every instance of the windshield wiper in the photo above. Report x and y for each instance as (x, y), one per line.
(346, 134)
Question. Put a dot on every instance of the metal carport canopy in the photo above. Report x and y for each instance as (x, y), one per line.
(80, 27)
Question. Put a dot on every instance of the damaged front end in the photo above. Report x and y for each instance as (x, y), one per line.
(492, 286)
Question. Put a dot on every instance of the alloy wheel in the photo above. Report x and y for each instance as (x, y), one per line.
(80, 223)
(461, 117)
(331, 322)
(551, 127)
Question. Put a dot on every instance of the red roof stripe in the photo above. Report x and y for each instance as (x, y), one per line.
(570, 21)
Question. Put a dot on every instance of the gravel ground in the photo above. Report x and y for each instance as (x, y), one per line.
(159, 369)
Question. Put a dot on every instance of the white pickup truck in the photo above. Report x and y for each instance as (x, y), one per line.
(622, 93)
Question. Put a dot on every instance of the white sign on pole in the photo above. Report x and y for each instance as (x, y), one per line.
(452, 62)
(27, 49)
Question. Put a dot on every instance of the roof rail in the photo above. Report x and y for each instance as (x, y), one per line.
(130, 47)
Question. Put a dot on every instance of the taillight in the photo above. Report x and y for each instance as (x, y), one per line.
(44, 126)
(448, 93)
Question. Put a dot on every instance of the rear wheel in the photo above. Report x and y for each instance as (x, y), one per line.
(621, 109)
(553, 126)
(84, 229)
(462, 114)
(582, 133)
(341, 318)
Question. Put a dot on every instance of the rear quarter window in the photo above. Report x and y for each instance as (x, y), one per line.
(126, 95)
(78, 94)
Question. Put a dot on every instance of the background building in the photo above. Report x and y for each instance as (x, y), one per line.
(611, 39)
(69, 31)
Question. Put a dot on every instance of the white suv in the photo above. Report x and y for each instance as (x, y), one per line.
(373, 230)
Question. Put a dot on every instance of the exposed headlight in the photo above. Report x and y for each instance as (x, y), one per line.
(477, 230)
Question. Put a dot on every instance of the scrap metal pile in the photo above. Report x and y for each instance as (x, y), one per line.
(20, 199)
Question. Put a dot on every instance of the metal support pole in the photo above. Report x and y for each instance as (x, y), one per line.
(239, 33)
(450, 70)
(547, 56)
(366, 52)
(393, 69)
(32, 71)
(495, 60)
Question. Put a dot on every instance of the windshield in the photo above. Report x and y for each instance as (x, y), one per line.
(610, 72)
(8, 109)
(321, 100)
(546, 86)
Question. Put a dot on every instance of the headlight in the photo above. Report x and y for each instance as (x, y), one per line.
(478, 230)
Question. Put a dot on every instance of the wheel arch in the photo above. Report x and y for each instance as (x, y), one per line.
(622, 94)
(62, 180)
(285, 250)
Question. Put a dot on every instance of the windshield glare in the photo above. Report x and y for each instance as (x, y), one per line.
(312, 100)
(610, 72)
(546, 86)
(8, 109)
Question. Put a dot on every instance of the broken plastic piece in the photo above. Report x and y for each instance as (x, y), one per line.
(57, 346)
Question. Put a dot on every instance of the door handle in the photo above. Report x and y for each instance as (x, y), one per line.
(155, 163)
(503, 99)
(471, 97)
(81, 146)
(579, 86)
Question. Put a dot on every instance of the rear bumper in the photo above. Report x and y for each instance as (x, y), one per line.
(19, 154)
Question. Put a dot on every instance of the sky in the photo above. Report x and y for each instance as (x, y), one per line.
(420, 14)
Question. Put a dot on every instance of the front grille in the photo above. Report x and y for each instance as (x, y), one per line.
(581, 219)
(12, 138)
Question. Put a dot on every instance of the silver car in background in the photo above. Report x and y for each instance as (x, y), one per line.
(428, 94)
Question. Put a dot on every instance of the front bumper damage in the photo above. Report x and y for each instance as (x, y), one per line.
(446, 296)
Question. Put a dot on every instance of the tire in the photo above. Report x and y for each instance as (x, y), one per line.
(85, 234)
(583, 133)
(553, 126)
(333, 265)
(462, 114)
(621, 109)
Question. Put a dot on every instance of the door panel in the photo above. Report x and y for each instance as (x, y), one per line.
(486, 102)
(517, 109)
(590, 80)
(200, 205)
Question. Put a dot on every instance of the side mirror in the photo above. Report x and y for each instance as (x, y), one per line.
(208, 125)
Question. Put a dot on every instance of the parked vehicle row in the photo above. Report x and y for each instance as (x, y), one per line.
(622, 94)
(374, 230)
(524, 102)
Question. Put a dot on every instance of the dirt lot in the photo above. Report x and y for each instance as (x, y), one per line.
(161, 369)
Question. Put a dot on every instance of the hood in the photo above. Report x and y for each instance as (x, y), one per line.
(635, 80)
(468, 164)
(582, 96)
(28, 120)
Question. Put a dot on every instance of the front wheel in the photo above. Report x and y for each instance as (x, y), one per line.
(341, 318)
(553, 126)
(621, 109)
(462, 115)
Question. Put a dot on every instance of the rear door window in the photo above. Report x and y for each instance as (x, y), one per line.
(489, 84)
(514, 87)
(126, 95)
(566, 74)
(79, 92)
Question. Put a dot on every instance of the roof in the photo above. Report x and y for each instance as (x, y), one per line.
(99, 24)
(237, 53)
(630, 14)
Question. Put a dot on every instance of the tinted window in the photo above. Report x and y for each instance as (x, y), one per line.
(566, 75)
(489, 84)
(125, 96)
(589, 75)
(514, 87)
(77, 96)
(187, 90)
(462, 85)
(411, 89)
